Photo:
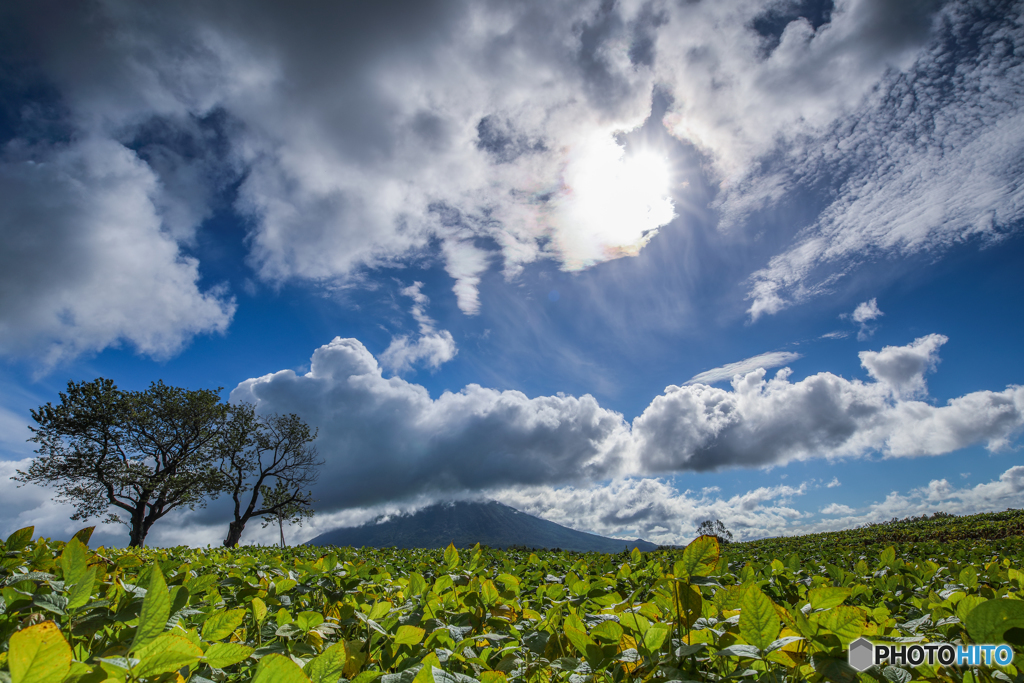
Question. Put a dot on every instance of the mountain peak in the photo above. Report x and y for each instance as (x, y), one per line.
(465, 524)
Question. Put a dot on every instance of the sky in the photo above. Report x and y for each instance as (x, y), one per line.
(625, 265)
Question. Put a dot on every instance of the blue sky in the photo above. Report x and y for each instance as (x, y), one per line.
(623, 265)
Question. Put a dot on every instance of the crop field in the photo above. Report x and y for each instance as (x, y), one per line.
(773, 610)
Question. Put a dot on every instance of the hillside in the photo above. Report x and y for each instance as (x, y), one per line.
(466, 524)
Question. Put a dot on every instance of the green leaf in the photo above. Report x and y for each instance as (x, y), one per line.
(417, 584)
(897, 675)
(759, 623)
(827, 596)
(284, 585)
(690, 603)
(73, 561)
(489, 592)
(309, 620)
(156, 609)
(887, 557)
(199, 584)
(578, 637)
(845, 621)
(220, 655)
(166, 653)
(328, 666)
(988, 622)
(451, 556)
(740, 650)
(510, 582)
(223, 624)
(19, 539)
(409, 635)
(38, 654)
(699, 557)
(608, 631)
(836, 670)
(81, 591)
(259, 610)
(656, 635)
(276, 668)
(83, 535)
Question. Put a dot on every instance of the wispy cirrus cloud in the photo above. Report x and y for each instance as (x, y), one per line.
(772, 359)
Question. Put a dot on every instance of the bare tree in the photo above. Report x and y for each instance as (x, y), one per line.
(258, 450)
(145, 452)
(292, 513)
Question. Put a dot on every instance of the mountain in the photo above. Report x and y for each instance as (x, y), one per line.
(466, 524)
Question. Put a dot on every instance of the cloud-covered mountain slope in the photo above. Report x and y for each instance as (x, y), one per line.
(466, 524)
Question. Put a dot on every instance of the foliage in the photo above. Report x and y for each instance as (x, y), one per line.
(751, 611)
(144, 452)
(258, 449)
(715, 528)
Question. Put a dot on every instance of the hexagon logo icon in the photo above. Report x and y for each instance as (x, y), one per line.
(861, 654)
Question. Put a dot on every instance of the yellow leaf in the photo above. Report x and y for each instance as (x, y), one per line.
(38, 654)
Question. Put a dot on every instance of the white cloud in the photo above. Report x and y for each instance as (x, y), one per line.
(475, 127)
(387, 439)
(837, 509)
(863, 314)
(772, 359)
(867, 310)
(86, 263)
(930, 162)
(903, 368)
(432, 348)
(937, 496)
(767, 422)
(654, 510)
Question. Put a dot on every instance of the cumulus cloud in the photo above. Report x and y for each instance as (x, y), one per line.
(656, 511)
(863, 314)
(492, 132)
(387, 439)
(769, 422)
(867, 310)
(86, 262)
(431, 348)
(903, 367)
(834, 483)
(771, 359)
(837, 509)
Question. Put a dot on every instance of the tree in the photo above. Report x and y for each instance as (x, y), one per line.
(258, 450)
(715, 528)
(145, 452)
(287, 512)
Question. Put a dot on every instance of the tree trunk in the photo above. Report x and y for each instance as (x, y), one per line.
(137, 533)
(280, 525)
(234, 534)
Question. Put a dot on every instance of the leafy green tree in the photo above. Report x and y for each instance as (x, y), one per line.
(715, 528)
(262, 449)
(144, 452)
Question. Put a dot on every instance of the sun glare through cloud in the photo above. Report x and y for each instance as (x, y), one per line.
(612, 202)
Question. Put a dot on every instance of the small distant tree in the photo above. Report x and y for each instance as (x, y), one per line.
(260, 450)
(144, 452)
(291, 512)
(715, 528)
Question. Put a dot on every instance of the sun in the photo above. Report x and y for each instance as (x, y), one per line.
(612, 202)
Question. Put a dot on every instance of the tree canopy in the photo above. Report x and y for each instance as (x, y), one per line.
(144, 452)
